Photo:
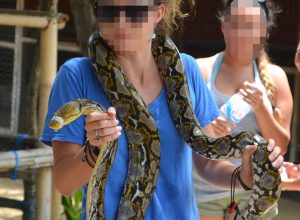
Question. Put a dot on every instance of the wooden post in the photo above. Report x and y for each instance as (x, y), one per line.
(56, 203)
(48, 64)
(43, 193)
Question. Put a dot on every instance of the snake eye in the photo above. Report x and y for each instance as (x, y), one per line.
(56, 123)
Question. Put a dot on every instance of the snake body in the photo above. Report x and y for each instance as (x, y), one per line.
(143, 139)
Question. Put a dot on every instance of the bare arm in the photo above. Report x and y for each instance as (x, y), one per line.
(223, 169)
(270, 126)
(279, 131)
(70, 173)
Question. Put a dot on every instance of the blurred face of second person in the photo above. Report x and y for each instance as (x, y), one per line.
(245, 28)
(128, 25)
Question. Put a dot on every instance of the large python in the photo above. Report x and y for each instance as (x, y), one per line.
(142, 135)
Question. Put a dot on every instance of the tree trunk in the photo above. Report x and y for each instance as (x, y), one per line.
(85, 22)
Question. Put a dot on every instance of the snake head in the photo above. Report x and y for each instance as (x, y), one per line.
(56, 123)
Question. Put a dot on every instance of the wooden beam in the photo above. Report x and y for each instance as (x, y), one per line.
(31, 19)
(28, 159)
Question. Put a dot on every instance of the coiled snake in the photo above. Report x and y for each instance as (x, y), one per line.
(143, 139)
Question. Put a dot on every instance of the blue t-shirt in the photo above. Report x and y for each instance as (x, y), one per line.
(173, 197)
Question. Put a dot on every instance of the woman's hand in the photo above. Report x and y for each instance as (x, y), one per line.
(291, 170)
(253, 95)
(222, 126)
(102, 127)
(246, 169)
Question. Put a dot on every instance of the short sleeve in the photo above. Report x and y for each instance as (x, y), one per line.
(68, 85)
(204, 106)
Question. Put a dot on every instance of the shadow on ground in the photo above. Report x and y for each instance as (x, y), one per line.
(289, 206)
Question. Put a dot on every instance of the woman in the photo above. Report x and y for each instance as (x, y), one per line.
(128, 26)
(264, 87)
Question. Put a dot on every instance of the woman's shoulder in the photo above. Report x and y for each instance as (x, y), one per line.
(277, 74)
(191, 68)
(205, 65)
(75, 69)
(77, 64)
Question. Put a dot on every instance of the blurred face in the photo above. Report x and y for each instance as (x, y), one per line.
(297, 58)
(128, 25)
(245, 27)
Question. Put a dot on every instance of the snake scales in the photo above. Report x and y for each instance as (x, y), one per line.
(143, 139)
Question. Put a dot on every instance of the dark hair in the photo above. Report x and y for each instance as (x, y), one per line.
(270, 9)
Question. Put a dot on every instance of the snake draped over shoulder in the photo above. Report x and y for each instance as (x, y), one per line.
(143, 138)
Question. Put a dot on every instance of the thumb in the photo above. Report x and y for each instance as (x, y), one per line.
(246, 170)
(249, 150)
(111, 111)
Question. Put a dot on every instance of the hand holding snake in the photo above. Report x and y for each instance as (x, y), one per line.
(102, 127)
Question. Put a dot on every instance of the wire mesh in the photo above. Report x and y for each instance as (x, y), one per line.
(6, 81)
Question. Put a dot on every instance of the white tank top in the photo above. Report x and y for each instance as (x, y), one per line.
(204, 191)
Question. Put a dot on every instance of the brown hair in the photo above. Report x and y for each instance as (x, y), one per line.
(174, 15)
(263, 61)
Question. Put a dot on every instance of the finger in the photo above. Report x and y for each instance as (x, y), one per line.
(271, 145)
(281, 170)
(109, 138)
(246, 99)
(225, 122)
(252, 100)
(96, 116)
(249, 85)
(243, 92)
(278, 162)
(220, 133)
(221, 130)
(99, 133)
(101, 124)
(274, 154)
(109, 131)
(252, 90)
(221, 119)
(221, 127)
(111, 112)
(246, 156)
(249, 150)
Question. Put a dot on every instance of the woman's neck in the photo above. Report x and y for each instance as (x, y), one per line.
(136, 64)
(236, 60)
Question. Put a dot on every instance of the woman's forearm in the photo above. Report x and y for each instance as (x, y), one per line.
(271, 129)
(70, 173)
(222, 171)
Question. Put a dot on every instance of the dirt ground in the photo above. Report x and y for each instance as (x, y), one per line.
(289, 204)
(12, 190)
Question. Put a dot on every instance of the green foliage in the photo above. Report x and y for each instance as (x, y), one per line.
(72, 205)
